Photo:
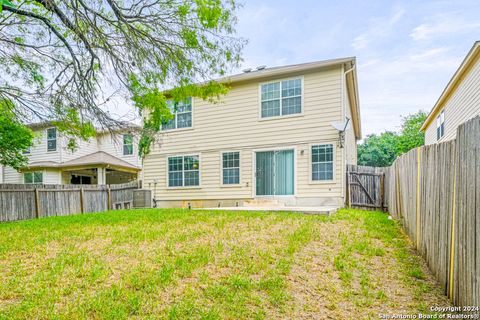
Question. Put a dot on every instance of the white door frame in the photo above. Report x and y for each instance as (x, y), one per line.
(254, 171)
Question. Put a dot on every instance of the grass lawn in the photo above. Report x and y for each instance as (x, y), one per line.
(179, 264)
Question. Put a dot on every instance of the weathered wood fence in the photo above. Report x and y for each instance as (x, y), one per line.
(24, 201)
(435, 191)
(365, 187)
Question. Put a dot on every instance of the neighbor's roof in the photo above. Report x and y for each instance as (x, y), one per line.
(96, 158)
(469, 61)
(348, 63)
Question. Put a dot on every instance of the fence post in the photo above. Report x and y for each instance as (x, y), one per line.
(82, 196)
(109, 198)
(452, 242)
(397, 193)
(419, 157)
(37, 203)
(349, 201)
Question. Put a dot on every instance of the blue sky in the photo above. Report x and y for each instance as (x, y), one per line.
(406, 51)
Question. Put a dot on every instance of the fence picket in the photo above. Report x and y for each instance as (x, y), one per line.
(438, 201)
(23, 202)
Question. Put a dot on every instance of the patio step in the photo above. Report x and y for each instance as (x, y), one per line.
(263, 203)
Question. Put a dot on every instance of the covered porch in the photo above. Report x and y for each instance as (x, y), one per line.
(98, 168)
(97, 175)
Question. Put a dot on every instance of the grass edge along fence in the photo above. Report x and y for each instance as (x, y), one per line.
(24, 201)
(435, 191)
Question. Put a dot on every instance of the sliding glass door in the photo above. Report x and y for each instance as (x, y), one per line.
(275, 173)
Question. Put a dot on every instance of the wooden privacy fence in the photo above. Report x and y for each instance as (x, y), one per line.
(23, 201)
(435, 191)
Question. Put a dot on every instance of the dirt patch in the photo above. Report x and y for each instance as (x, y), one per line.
(318, 291)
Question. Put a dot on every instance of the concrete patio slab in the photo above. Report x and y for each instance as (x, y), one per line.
(307, 210)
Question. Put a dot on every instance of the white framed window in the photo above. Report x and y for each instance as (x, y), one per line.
(27, 151)
(231, 168)
(182, 115)
(33, 177)
(281, 98)
(441, 125)
(322, 162)
(52, 139)
(184, 171)
(127, 144)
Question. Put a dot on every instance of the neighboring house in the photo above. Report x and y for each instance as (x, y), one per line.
(106, 159)
(270, 138)
(459, 102)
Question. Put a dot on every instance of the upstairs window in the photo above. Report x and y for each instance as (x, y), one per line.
(127, 144)
(281, 98)
(441, 125)
(231, 167)
(27, 151)
(182, 115)
(51, 139)
(322, 162)
(33, 177)
(183, 171)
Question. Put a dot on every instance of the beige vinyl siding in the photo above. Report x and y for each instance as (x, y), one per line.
(462, 105)
(114, 146)
(11, 175)
(38, 151)
(235, 125)
(50, 176)
(83, 148)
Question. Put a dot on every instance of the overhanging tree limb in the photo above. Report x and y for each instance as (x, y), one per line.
(61, 60)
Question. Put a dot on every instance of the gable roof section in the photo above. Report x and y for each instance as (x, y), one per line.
(96, 158)
(99, 157)
(465, 67)
(347, 63)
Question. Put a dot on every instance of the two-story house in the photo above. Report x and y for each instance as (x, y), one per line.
(107, 159)
(459, 101)
(277, 136)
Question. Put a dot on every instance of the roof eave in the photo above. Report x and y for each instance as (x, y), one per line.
(353, 96)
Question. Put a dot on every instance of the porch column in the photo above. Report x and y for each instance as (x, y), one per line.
(101, 176)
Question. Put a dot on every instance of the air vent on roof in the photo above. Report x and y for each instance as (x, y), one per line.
(247, 70)
(261, 67)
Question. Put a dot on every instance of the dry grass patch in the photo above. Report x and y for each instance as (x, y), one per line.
(179, 264)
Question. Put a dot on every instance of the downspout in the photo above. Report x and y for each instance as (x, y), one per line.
(344, 114)
(60, 156)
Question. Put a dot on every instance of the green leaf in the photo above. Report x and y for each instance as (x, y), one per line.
(6, 3)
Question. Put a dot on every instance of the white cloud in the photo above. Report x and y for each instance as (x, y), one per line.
(379, 28)
(361, 41)
(401, 84)
(442, 25)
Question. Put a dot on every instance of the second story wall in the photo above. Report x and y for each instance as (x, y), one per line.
(236, 121)
(462, 105)
(113, 144)
(83, 148)
(39, 151)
